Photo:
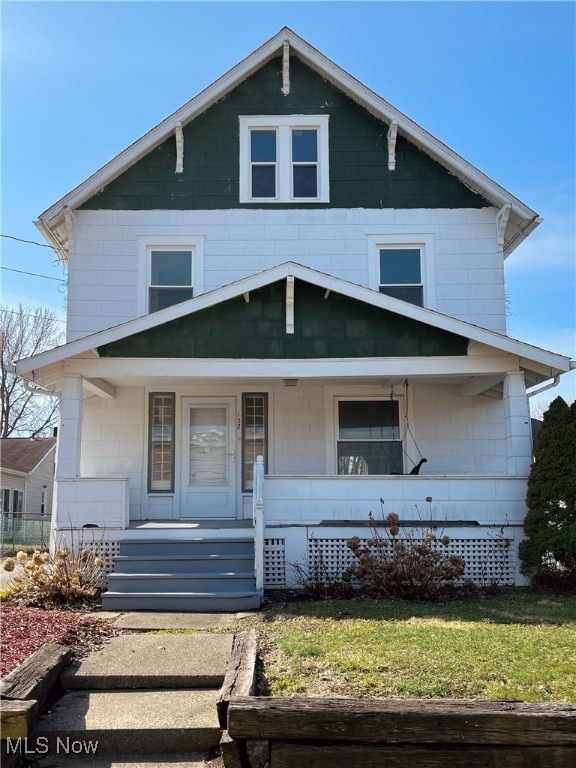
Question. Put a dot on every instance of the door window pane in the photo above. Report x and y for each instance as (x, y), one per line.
(208, 446)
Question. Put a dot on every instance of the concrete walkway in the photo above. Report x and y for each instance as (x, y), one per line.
(148, 697)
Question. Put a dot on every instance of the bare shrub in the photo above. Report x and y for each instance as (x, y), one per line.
(409, 564)
(69, 576)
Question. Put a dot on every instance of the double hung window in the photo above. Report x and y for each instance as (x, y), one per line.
(368, 437)
(170, 277)
(284, 159)
(401, 273)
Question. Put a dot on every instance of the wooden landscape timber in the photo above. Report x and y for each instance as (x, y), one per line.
(273, 732)
(24, 691)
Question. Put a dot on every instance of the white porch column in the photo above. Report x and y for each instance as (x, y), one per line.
(518, 424)
(70, 429)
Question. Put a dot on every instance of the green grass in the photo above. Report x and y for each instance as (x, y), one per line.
(512, 647)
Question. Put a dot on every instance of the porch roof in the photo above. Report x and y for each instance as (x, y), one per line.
(542, 363)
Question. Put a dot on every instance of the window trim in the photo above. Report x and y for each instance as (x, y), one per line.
(393, 238)
(333, 394)
(368, 398)
(147, 244)
(283, 125)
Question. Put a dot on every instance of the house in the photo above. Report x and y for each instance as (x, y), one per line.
(289, 268)
(26, 484)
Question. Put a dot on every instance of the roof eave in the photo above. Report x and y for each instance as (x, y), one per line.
(467, 173)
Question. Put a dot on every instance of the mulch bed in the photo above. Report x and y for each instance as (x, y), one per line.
(24, 630)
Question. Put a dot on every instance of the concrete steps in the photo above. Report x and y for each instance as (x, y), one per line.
(198, 572)
(141, 694)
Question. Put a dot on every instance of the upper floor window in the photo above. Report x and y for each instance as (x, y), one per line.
(284, 159)
(171, 270)
(401, 264)
(170, 278)
(401, 274)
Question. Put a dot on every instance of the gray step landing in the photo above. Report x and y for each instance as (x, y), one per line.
(209, 602)
(159, 661)
(131, 722)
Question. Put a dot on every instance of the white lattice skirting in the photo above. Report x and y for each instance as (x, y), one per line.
(490, 558)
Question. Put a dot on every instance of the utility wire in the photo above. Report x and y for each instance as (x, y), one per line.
(27, 314)
(33, 274)
(32, 242)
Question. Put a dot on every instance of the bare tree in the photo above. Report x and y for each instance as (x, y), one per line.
(25, 332)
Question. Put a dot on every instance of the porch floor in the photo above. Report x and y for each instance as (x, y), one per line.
(196, 525)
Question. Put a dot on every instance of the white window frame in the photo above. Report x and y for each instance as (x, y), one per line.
(333, 395)
(424, 241)
(283, 125)
(147, 244)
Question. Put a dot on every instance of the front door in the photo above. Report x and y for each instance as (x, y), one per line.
(208, 457)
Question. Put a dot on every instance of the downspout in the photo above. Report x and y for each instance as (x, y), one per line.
(550, 384)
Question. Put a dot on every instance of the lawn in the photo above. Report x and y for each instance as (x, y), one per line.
(517, 646)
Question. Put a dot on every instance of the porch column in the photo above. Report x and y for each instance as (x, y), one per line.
(70, 429)
(518, 425)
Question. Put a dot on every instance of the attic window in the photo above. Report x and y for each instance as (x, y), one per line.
(284, 159)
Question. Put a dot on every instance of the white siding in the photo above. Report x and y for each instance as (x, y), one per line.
(107, 273)
(460, 436)
(43, 475)
(113, 441)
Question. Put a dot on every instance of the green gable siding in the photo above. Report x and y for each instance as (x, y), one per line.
(359, 175)
(324, 328)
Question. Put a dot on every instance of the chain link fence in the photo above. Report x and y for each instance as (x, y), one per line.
(23, 531)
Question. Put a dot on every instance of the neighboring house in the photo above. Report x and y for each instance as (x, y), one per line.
(26, 482)
(286, 267)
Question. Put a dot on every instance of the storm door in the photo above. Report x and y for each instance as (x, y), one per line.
(208, 457)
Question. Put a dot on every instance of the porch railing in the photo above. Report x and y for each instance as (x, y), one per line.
(258, 519)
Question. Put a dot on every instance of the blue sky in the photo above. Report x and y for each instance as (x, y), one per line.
(495, 81)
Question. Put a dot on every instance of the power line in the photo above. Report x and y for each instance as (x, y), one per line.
(33, 274)
(28, 314)
(32, 242)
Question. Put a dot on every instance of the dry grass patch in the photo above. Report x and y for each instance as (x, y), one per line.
(517, 646)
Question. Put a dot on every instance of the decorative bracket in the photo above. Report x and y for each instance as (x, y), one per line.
(286, 69)
(69, 221)
(502, 220)
(246, 297)
(392, 133)
(290, 304)
(179, 148)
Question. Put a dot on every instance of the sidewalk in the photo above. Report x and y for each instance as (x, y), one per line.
(147, 698)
